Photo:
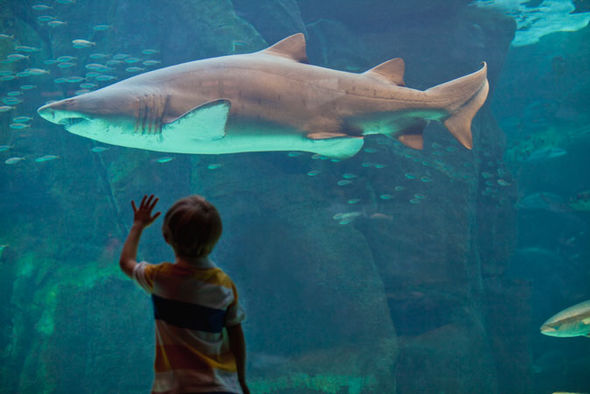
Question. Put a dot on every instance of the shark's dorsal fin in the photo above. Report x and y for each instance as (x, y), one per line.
(389, 71)
(207, 121)
(292, 47)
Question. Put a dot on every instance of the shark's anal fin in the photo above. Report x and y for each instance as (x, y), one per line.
(292, 47)
(391, 71)
(206, 122)
(324, 135)
(411, 136)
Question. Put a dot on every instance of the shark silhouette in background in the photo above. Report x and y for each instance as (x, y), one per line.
(270, 100)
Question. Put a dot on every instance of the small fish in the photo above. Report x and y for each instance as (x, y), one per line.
(88, 85)
(114, 62)
(66, 65)
(349, 176)
(570, 322)
(75, 79)
(213, 166)
(353, 201)
(81, 91)
(66, 58)
(385, 196)
(6, 36)
(56, 23)
(22, 119)
(46, 158)
(49, 62)
(13, 160)
(104, 78)
(7, 77)
(344, 182)
(19, 126)
(546, 154)
(45, 18)
(313, 173)
(150, 63)
(409, 175)
(5, 108)
(28, 87)
(120, 56)
(150, 51)
(60, 80)
(503, 182)
(15, 57)
(40, 7)
(98, 149)
(65, 1)
(36, 71)
(79, 43)
(101, 27)
(97, 67)
(14, 93)
(134, 69)
(4, 148)
(98, 56)
(164, 159)
(11, 100)
(399, 188)
(27, 49)
(131, 60)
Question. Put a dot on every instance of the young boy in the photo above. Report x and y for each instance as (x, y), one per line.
(193, 301)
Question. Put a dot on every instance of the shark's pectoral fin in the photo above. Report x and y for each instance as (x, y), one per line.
(412, 135)
(206, 122)
(586, 321)
(390, 71)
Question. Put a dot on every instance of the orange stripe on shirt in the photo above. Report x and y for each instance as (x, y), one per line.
(172, 357)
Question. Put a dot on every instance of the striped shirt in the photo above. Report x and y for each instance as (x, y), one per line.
(192, 305)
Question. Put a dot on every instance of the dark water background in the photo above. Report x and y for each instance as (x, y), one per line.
(430, 272)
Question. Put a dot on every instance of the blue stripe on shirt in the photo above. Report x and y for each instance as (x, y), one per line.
(187, 315)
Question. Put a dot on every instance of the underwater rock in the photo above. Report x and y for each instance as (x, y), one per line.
(284, 14)
(454, 358)
(299, 254)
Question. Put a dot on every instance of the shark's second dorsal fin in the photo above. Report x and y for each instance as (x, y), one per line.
(292, 47)
(389, 71)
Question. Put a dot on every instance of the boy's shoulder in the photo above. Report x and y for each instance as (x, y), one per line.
(209, 273)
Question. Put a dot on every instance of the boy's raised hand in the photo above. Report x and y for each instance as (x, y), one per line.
(143, 214)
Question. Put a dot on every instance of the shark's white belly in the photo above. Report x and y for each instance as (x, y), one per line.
(238, 138)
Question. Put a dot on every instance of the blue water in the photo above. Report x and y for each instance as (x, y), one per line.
(394, 271)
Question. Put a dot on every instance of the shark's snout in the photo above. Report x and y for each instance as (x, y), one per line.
(58, 112)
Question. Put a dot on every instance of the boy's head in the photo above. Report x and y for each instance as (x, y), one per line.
(192, 227)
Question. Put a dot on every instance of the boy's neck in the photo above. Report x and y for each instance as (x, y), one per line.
(202, 262)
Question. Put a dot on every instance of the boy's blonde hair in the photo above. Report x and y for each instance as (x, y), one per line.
(192, 227)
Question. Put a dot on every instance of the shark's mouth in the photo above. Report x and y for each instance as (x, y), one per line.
(73, 121)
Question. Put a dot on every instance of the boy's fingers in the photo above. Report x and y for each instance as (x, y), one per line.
(133, 206)
(156, 215)
(143, 200)
(154, 203)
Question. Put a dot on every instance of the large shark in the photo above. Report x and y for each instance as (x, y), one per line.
(270, 100)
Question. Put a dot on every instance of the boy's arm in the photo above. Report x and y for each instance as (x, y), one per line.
(142, 218)
(237, 345)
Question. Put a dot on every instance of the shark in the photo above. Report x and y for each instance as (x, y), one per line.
(269, 100)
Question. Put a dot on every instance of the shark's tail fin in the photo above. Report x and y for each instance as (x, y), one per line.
(463, 97)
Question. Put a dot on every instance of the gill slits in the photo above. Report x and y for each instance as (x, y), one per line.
(149, 113)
